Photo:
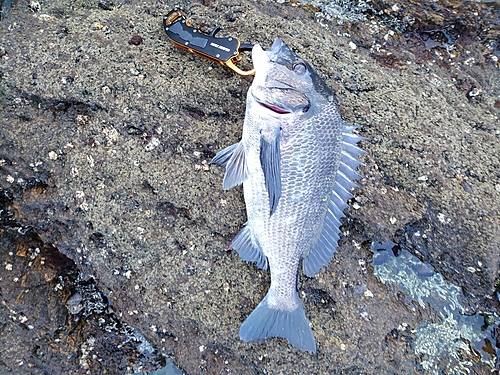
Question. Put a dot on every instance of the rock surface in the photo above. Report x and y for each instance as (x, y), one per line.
(104, 153)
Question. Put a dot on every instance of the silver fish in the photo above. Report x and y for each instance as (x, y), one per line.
(297, 162)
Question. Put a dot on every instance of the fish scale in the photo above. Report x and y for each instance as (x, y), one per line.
(294, 225)
(297, 162)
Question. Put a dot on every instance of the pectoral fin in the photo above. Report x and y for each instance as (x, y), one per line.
(224, 155)
(233, 159)
(271, 166)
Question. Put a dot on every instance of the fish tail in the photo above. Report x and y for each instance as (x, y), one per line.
(268, 321)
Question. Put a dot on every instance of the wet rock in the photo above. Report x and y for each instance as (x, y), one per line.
(46, 302)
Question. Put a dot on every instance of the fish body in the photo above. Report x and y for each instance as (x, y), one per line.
(297, 162)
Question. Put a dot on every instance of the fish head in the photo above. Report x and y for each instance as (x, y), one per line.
(285, 84)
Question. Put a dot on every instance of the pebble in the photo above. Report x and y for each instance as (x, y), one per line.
(231, 17)
(136, 40)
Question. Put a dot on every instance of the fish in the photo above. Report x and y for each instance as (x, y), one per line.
(297, 162)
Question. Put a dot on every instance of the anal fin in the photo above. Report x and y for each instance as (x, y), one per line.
(247, 249)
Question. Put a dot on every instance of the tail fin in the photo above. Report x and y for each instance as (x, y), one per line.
(266, 321)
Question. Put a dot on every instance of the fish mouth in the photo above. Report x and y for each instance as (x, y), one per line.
(273, 108)
(282, 101)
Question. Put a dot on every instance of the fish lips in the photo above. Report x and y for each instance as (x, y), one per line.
(282, 101)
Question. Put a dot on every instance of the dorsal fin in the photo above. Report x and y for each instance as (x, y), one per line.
(325, 245)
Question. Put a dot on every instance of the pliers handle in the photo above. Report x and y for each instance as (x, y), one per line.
(225, 51)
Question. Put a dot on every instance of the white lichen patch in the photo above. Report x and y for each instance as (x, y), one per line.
(81, 200)
(101, 27)
(45, 17)
(90, 159)
(111, 135)
(152, 144)
(81, 120)
(204, 166)
(368, 293)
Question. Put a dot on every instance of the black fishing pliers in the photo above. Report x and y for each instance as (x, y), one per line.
(225, 51)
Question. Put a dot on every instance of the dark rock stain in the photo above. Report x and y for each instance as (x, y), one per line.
(170, 209)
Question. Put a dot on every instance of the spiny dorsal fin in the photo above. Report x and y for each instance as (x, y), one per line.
(326, 243)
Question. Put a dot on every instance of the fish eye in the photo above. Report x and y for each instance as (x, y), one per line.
(299, 68)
